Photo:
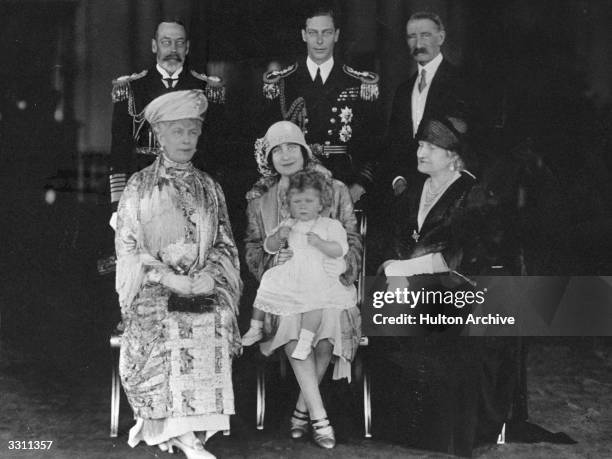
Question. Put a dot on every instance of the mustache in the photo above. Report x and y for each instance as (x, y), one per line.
(419, 51)
(173, 57)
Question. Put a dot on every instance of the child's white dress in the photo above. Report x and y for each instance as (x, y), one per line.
(301, 284)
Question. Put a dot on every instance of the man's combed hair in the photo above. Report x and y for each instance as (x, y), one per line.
(309, 178)
(322, 8)
(433, 17)
(171, 20)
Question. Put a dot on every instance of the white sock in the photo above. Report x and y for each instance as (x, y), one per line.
(306, 336)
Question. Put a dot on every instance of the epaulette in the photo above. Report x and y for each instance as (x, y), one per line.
(121, 86)
(271, 79)
(369, 82)
(214, 90)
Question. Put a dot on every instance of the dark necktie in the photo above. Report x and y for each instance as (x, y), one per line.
(318, 81)
(422, 81)
(169, 82)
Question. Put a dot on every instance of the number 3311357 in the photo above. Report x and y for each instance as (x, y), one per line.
(30, 444)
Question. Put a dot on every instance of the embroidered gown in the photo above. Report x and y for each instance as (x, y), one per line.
(175, 367)
(301, 284)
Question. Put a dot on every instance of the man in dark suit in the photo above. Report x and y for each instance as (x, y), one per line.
(133, 144)
(334, 104)
(435, 89)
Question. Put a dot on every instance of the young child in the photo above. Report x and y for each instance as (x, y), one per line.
(301, 285)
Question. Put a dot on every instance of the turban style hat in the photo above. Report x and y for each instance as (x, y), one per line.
(177, 105)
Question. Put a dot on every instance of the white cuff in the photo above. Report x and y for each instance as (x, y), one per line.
(267, 250)
(287, 222)
(412, 267)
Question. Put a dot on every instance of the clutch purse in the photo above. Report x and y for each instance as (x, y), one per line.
(195, 304)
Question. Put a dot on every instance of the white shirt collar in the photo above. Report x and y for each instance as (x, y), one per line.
(165, 74)
(326, 68)
(430, 68)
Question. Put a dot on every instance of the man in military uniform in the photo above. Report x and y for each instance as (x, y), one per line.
(332, 103)
(133, 143)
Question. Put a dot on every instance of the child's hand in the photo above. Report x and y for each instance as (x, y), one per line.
(313, 239)
(283, 256)
(283, 233)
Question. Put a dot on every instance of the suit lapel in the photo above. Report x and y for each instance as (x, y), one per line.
(437, 84)
(298, 84)
(409, 101)
(155, 84)
(334, 81)
(316, 97)
(182, 80)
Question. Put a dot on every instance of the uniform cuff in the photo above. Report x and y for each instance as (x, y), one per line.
(117, 184)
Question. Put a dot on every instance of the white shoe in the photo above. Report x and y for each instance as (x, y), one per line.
(195, 451)
(252, 336)
(302, 350)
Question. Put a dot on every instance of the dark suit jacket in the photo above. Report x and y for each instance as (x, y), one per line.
(319, 117)
(447, 96)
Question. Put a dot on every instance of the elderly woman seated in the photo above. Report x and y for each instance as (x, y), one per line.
(178, 281)
(448, 392)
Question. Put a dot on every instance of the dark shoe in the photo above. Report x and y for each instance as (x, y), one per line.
(323, 433)
(299, 424)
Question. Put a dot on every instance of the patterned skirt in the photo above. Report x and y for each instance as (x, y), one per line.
(177, 364)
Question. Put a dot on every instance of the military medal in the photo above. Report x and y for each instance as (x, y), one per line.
(415, 235)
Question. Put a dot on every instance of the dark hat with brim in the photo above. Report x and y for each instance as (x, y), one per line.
(448, 133)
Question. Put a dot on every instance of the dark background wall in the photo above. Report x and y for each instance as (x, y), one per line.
(67, 52)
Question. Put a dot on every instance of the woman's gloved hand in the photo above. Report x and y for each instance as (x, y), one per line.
(202, 284)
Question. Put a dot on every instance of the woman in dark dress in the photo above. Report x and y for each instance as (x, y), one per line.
(442, 391)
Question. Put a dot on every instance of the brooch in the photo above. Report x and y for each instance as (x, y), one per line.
(415, 235)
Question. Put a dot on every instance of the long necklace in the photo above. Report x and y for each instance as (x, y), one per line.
(429, 199)
(431, 196)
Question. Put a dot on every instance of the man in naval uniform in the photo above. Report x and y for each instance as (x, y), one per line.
(133, 144)
(334, 104)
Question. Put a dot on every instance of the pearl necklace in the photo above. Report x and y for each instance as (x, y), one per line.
(431, 196)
